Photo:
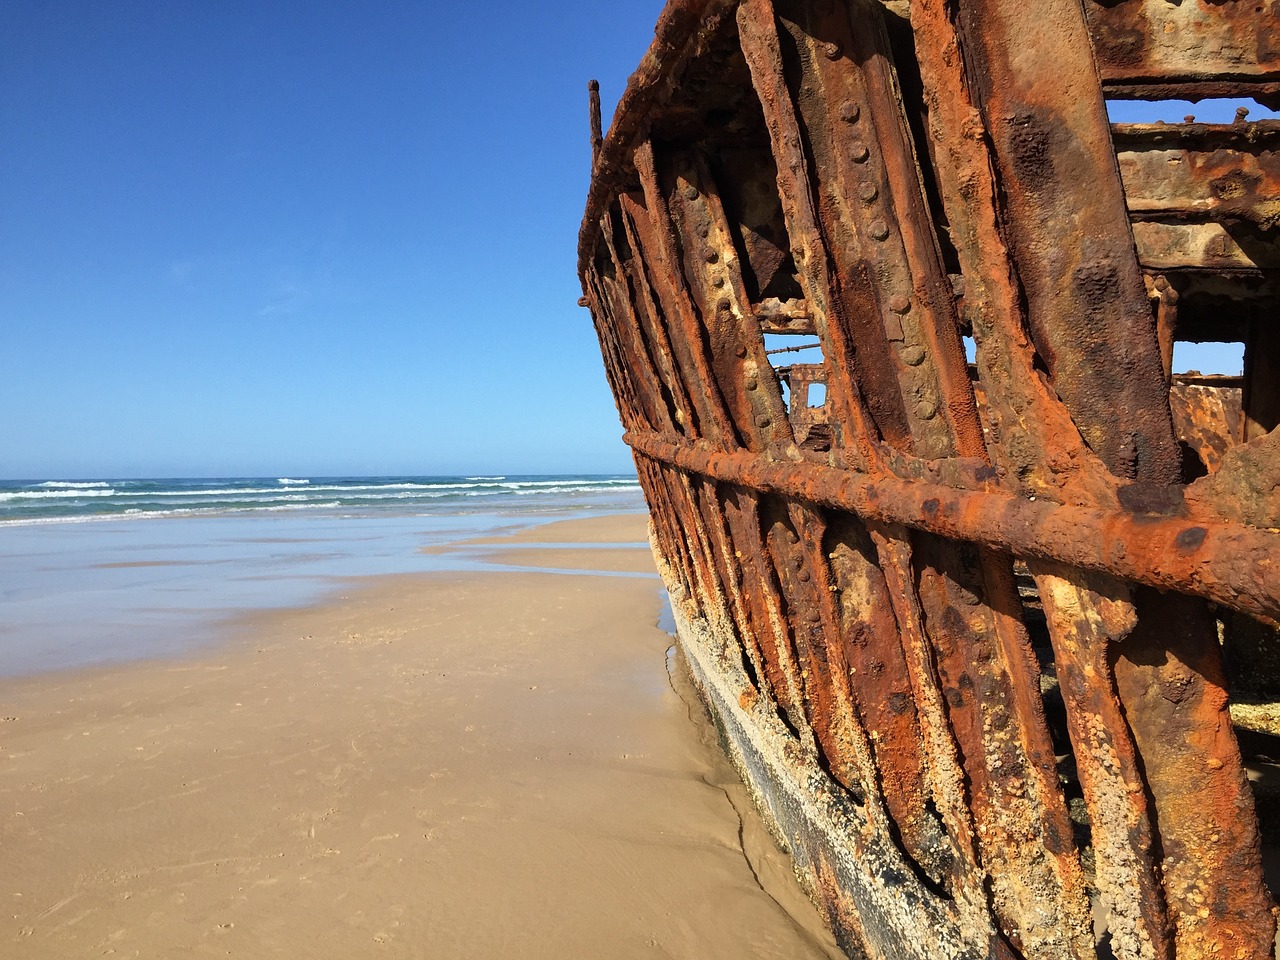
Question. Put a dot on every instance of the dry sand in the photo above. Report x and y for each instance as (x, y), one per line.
(446, 765)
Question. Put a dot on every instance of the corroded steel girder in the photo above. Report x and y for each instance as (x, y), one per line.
(957, 609)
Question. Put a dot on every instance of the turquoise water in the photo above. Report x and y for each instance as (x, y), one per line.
(159, 568)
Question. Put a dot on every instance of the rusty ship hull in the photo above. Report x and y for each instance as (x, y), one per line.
(962, 569)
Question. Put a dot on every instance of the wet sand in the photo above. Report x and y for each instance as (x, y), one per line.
(434, 765)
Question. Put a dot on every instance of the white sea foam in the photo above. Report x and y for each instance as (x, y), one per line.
(286, 481)
(55, 494)
(74, 484)
(361, 487)
(484, 478)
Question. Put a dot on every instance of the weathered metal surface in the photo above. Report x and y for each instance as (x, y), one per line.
(888, 178)
(1186, 50)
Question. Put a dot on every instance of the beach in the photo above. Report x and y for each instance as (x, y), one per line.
(499, 757)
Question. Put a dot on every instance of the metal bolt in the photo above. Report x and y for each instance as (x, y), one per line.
(879, 229)
(712, 256)
(858, 150)
(805, 576)
(717, 281)
(832, 50)
(900, 304)
(913, 356)
(867, 191)
(926, 410)
(763, 421)
(691, 192)
(704, 231)
(849, 111)
(740, 350)
(723, 305)
(752, 383)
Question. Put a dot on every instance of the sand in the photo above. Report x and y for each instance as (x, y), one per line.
(438, 765)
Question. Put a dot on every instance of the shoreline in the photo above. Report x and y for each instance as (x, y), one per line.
(452, 763)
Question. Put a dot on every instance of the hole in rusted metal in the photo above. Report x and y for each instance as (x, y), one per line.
(1212, 359)
(1209, 110)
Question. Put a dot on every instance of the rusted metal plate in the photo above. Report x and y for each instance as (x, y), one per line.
(1186, 50)
(887, 179)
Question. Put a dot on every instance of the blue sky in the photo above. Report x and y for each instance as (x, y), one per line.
(320, 238)
(301, 238)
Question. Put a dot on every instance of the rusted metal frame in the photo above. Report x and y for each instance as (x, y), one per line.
(760, 46)
(630, 408)
(672, 549)
(640, 373)
(990, 681)
(882, 692)
(1204, 246)
(828, 706)
(743, 587)
(760, 43)
(652, 323)
(683, 538)
(1065, 219)
(1038, 449)
(1198, 171)
(1165, 297)
(597, 139)
(1209, 420)
(881, 724)
(1092, 323)
(1246, 487)
(946, 775)
(634, 333)
(1224, 562)
(683, 30)
(1086, 621)
(1266, 92)
(714, 603)
(1004, 741)
(745, 379)
(712, 275)
(1174, 698)
(666, 527)
(660, 245)
(707, 502)
(1261, 400)
(785, 317)
(877, 228)
(1203, 196)
(1153, 49)
(742, 513)
(658, 292)
(766, 96)
(733, 347)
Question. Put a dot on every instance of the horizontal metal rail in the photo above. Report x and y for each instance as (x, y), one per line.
(1235, 565)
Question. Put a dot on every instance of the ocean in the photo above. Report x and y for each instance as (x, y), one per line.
(48, 501)
(101, 571)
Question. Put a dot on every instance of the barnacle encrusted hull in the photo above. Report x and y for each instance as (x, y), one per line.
(961, 566)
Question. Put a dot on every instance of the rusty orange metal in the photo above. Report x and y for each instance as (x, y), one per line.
(888, 307)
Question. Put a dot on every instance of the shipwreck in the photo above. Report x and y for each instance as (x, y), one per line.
(963, 569)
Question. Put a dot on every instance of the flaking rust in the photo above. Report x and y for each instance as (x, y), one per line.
(964, 568)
